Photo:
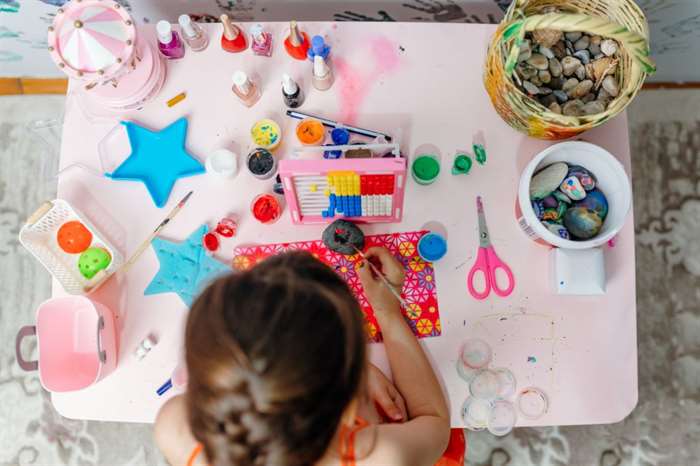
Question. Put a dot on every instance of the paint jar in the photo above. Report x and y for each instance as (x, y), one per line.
(310, 132)
(266, 208)
(432, 247)
(266, 133)
(475, 353)
(611, 180)
(425, 169)
(532, 403)
(485, 385)
(502, 418)
(261, 163)
(223, 163)
(475, 413)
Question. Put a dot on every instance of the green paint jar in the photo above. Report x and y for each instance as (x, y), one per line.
(425, 169)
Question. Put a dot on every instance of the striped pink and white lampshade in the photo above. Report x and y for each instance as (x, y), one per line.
(92, 39)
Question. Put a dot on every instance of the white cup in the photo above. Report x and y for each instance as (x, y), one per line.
(612, 181)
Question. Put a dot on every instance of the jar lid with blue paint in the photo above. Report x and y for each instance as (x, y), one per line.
(432, 247)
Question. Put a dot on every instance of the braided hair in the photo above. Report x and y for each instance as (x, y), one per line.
(275, 355)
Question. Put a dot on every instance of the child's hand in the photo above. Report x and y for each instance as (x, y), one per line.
(385, 395)
(377, 293)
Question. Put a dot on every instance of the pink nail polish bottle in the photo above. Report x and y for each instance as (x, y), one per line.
(245, 89)
(169, 42)
(193, 34)
(262, 41)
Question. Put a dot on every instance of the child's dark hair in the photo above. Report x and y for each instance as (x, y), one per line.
(275, 355)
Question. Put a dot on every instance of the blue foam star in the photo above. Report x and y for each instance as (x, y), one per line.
(157, 159)
(185, 268)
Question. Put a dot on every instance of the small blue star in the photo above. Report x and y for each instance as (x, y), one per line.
(157, 159)
(185, 268)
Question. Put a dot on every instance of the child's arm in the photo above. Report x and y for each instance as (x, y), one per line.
(427, 433)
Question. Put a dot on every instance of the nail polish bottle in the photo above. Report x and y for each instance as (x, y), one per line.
(261, 42)
(169, 42)
(297, 43)
(193, 34)
(322, 78)
(291, 92)
(233, 39)
(318, 47)
(245, 89)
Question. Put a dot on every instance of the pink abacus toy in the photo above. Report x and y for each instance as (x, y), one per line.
(364, 190)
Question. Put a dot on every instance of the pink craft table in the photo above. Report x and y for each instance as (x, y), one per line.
(424, 82)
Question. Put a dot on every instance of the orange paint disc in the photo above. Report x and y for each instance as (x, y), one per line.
(73, 237)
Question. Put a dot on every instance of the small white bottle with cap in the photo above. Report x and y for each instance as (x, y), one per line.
(291, 92)
(322, 77)
(245, 89)
(169, 42)
(193, 34)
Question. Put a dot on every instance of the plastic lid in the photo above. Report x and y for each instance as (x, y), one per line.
(186, 24)
(475, 413)
(532, 403)
(507, 381)
(475, 353)
(290, 87)
(317, 44)
(501, 418)
(485, 385)
(340, 135)
(432, 247)
(165, 32)
(320, 67)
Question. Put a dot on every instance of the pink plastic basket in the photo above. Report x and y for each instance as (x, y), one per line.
(77, 343)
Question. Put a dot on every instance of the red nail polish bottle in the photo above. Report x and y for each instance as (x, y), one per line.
(233, 39)
(297, 43)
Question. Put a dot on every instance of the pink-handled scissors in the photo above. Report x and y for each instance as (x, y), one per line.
(487, 262)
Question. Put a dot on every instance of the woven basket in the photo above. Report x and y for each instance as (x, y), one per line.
(621, 20)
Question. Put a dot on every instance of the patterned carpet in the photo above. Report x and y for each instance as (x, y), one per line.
(663, 430)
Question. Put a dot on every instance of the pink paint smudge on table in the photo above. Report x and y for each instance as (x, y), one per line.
(356, 81)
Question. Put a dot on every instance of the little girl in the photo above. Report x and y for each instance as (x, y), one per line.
(278, 374)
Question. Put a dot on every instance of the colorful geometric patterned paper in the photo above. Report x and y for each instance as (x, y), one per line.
(419, 290)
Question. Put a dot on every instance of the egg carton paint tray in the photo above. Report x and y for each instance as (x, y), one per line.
(39, 236)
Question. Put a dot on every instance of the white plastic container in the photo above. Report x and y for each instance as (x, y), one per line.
(38, 235)
(612, 181)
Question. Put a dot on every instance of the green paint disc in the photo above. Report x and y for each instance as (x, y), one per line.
(462, 164)
(480, 153)
(425, 169)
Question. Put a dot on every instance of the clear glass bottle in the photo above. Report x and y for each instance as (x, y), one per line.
(169, 42)
(262, 41)
(322, 77)
(245, 89)
(194, 35)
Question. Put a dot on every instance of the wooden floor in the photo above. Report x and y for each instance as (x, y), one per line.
(14, 86)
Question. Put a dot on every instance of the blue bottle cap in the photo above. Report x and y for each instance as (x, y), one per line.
(432, 247)
(340, 136)
(317, 44)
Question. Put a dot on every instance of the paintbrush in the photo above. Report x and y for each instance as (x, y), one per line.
(385, 280)
(147, 242)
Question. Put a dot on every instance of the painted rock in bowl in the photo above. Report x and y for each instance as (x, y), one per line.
(547, 180)
(561, 197)
(573, 188)
(538, 208)
(596, 201)
(582, 223)
(550, 202)
(558, 229)
(587, 179)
